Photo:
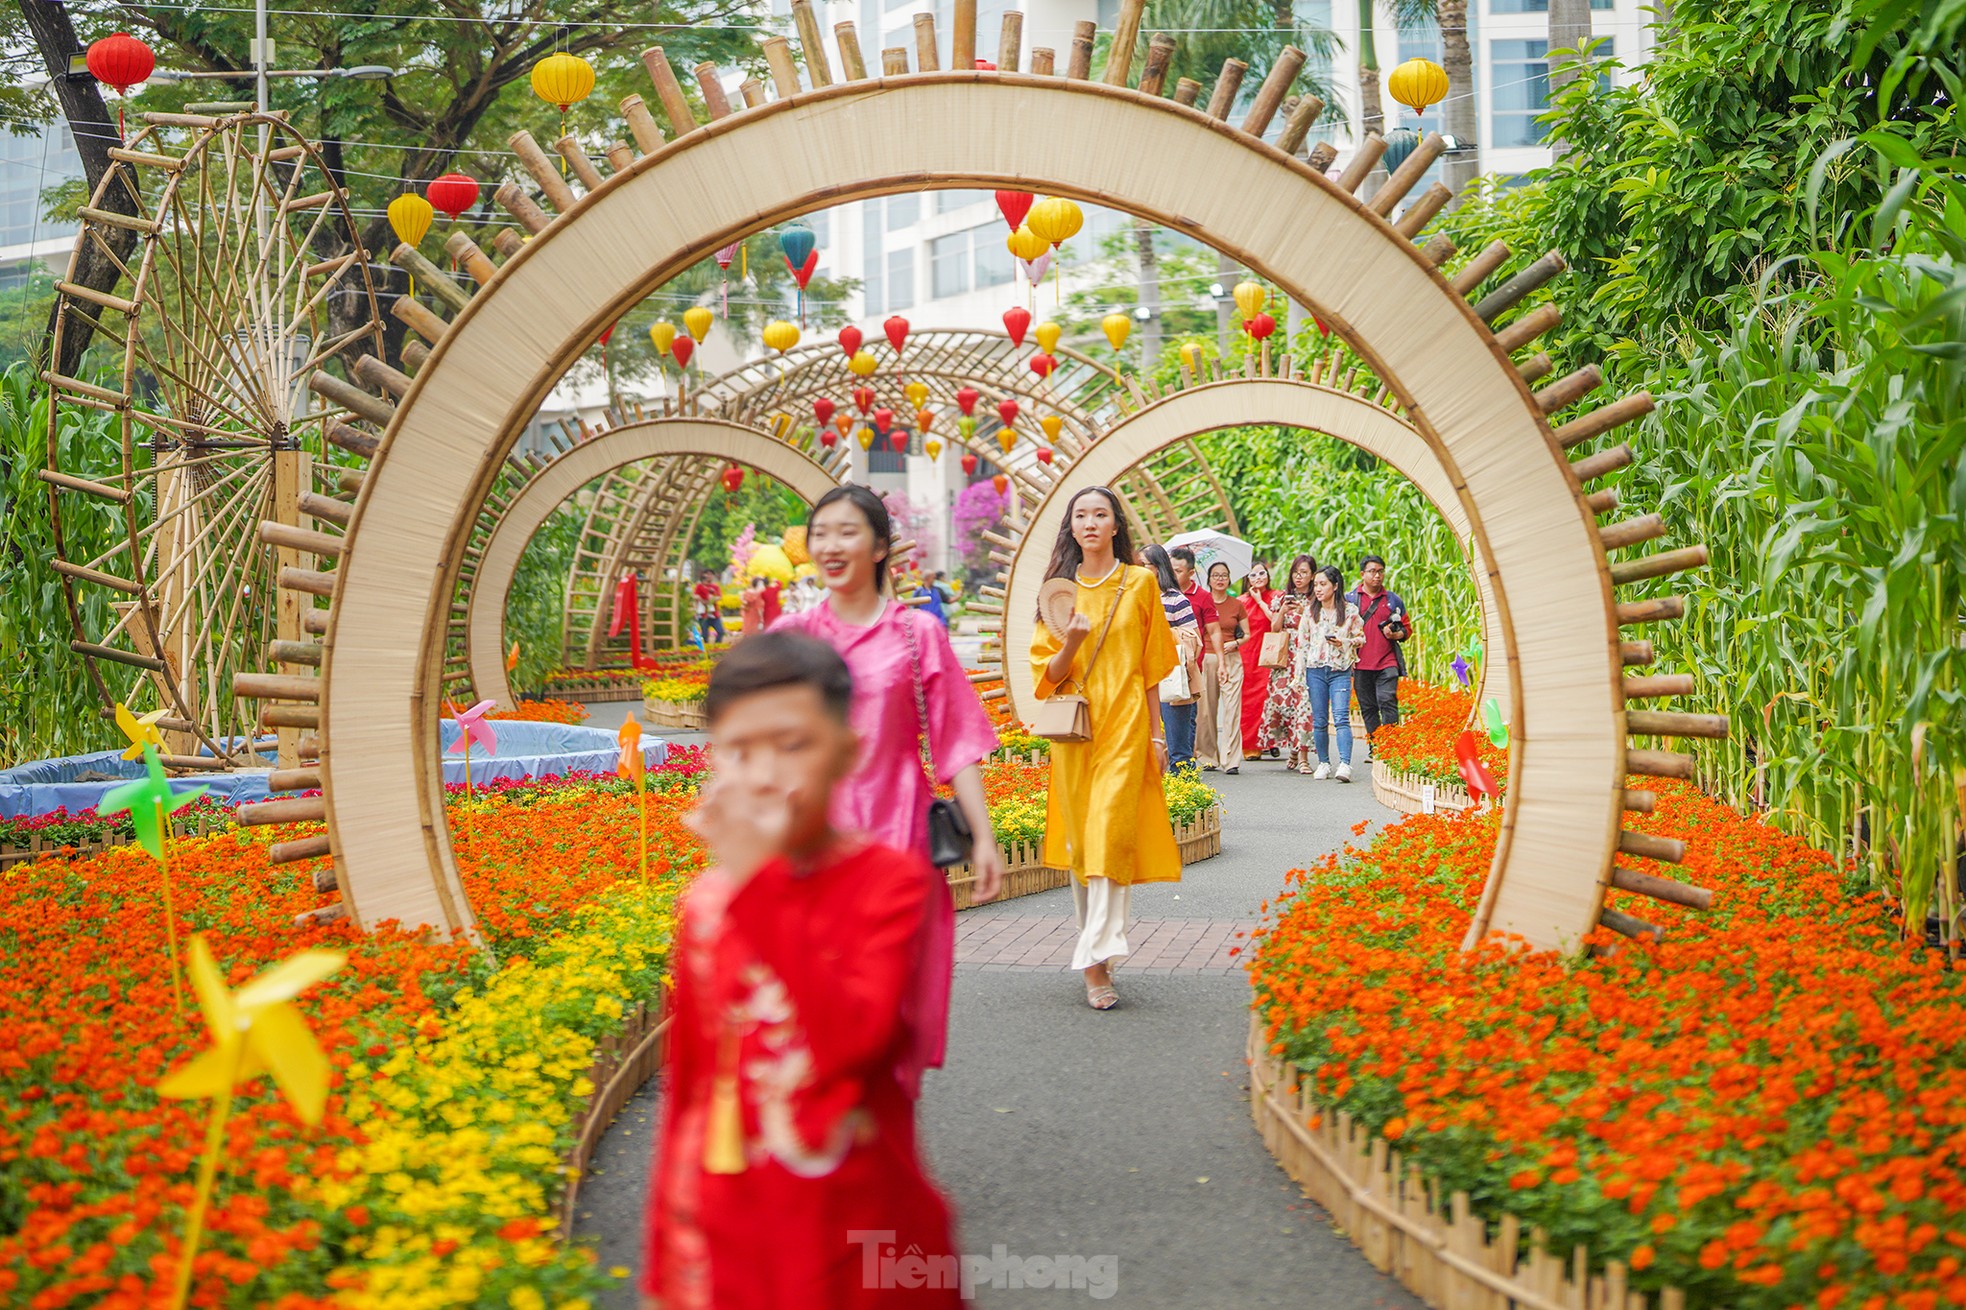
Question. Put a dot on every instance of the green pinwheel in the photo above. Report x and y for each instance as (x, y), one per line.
(150, 800)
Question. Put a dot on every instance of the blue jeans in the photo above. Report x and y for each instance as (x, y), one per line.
(1331, 693)
(1178, 722)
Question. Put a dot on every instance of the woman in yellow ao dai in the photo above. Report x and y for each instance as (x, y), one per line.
(1106, 816)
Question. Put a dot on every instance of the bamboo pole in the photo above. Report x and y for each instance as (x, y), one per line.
(1160, 54)
(461, 248)
(1602, 420)
(852, 66)
(927, 57)
(812, 44)
(1631, 532)
(1364, 160)
(1298, 119)
(431, 278)
(1289, 62)
(1659, 565)
(962, 42)
(1227, 83)
(1476, 271)
(1569, 389)
(669, 90)
(512, 198)
(1084, 34)
(1407, 175)
(1510, 293)
(641, 126)
(583, 167)
(1422, 211)
(536, 163)
(1042, 61)
(784, 70)
(712, 88)
(1187, 91)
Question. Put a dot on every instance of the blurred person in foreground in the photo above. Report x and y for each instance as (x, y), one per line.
(787, 1136)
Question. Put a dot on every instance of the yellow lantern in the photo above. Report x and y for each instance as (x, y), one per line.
(1007, 438)
(1250, 299)
(865, 437)
(781, 336)
(1116, 327)
(697, 320)
(1418, 84)
(1191, 356)
(916, 392)
(663, 334)
(1052, 426)
(862, 364)
(1047, 335)
(1055, 220)
(563, 80)
(932, 448)
(1026, 244)
(409, 216)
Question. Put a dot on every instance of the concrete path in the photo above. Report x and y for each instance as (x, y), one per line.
(1119, 1140)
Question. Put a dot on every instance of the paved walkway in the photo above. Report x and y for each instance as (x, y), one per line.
(1121, 1138)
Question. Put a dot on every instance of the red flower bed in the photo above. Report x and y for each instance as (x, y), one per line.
(1766, 1110)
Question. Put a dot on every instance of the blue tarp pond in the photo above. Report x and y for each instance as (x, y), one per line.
(525, 750)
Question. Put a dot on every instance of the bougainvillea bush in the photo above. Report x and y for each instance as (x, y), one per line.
(1766, 1110)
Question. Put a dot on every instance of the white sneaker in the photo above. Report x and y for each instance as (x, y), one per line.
(1323, 771)
(1344, 773)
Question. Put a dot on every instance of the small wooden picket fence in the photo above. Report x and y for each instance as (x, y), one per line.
(623, 1063)
(1028, 874)
(594, 689)
(680, 715)
(44, 848)
(1445, 1255)
(1407, 792)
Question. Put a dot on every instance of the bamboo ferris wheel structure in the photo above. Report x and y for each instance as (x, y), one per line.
(242, 278)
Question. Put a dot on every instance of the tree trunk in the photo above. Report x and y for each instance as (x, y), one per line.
(1371, 116)
(1570, 29)
(1149, 292)
(1461, 114)
(88, 119)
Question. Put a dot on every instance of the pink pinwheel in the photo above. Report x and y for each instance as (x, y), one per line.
(471, 723)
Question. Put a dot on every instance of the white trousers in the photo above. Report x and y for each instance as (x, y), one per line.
(1101, 904)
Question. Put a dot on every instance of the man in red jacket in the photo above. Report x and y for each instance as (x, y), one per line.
(1380, 663)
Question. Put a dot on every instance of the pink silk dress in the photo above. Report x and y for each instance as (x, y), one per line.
(887, 797)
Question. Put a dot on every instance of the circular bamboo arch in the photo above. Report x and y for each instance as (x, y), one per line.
(663, 438)
(1343, 259)
(1229, 403)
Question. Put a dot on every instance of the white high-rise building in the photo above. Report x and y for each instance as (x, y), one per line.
(29, 165)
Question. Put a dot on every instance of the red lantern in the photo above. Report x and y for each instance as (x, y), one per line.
(883, 420)
(829, 439)
(452, 194)
(969, 465)
(897, 441)
(986, 66)
(1043, 365)
(1017, 321)
(966, 399)
(863, 397)
(1260, 327)
(682, 348)
(1001, 483)
(924, 420)
(120, 61)
(1044, 454)
(822, 409)
(733, 479)
(1007, 411)
(850, 340)
(897, 332)
(1013, 205)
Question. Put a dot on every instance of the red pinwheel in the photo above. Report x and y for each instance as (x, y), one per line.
(1473, 772)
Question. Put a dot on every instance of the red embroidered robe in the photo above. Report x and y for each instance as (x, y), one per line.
(794, 985)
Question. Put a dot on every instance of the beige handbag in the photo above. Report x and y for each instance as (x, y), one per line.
(1276, 651)
(1064, 716)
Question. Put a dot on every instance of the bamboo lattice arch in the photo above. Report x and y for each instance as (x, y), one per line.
(1206, 405)
(1354, 263)
(713, 443)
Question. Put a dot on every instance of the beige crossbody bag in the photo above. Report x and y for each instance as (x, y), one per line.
(1064, 716)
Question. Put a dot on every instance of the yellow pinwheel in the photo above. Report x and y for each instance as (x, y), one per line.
(141, 731)
(253, 1030)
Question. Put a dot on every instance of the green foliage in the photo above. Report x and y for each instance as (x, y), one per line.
(536, 605)
(770, 506)
(48, 705)
(24, 318)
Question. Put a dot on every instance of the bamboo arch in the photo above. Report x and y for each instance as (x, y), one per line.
(1241, 402)
(1344, 259)
(665, 438)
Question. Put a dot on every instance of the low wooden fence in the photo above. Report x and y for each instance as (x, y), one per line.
(1413, 793)
(679, 715)
(1445, 1254)
(44, 848)
(623, 1064)
(1028, 874)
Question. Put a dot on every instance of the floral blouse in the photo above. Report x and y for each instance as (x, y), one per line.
(1315, 650)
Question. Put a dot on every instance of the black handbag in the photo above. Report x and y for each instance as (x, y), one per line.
(950, 840)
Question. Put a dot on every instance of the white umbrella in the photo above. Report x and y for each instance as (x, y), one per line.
(1212, 548)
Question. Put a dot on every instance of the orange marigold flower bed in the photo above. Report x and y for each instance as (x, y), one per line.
(1767, 1109)
(544, 711)
(95, 1168)
(1431, 718)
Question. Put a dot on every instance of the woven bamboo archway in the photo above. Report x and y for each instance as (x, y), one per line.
(716, 442)
(1344, 259)
(1208, 406)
